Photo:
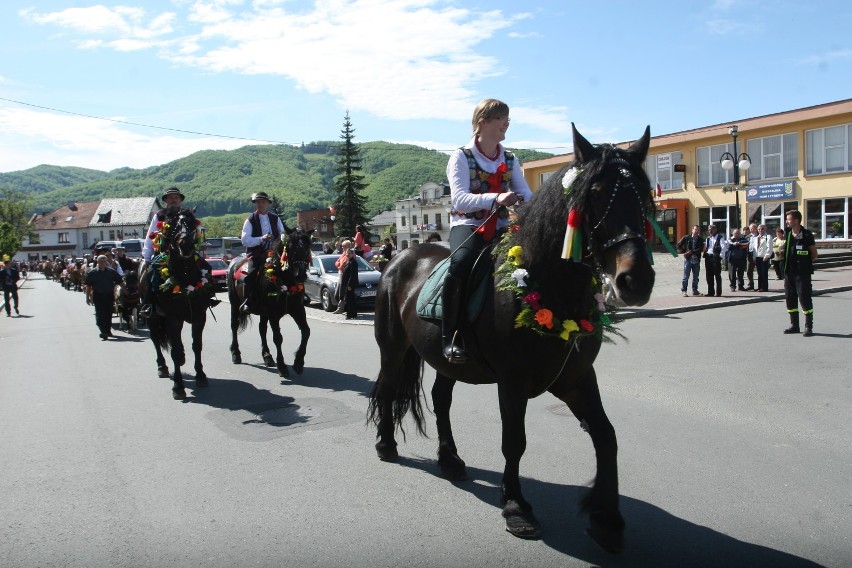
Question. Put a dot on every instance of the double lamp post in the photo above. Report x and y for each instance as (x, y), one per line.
(741, 162)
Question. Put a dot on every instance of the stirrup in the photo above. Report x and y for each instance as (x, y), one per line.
(453, 352)
(145, 310)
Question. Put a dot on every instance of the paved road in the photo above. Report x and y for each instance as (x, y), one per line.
(734, 451)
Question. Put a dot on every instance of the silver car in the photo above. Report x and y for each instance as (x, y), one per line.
(323, 278)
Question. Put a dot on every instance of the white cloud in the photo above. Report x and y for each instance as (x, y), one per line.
(823, 59)
(409, 58)
(29, 138)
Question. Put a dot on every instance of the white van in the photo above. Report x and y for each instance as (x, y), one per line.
(133, 247)
(223, 247)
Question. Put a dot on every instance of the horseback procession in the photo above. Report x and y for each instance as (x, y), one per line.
(517, 300)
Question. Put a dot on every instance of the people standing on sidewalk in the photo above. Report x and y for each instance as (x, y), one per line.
(348, 284)
(101, 283)
(691, 246)
(800, 252)
(715, 249)
(9, 276)
(761, 248)
(737, 257)
(778, 253)
(340, 264)
(748, 233)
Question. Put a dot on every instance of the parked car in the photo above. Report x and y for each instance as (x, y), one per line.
(219, 276)
(101, 246)
(323, 278)
(133, 248)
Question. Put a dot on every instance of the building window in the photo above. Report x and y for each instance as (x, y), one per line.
(63, 238)
(710, 171)
(402, 221)
(828, 151)
(85, 237)
(828, 218)
(542, 178)
(414, 220)
(773, 157)
(425, 219)
(660, 170)
(723, 217)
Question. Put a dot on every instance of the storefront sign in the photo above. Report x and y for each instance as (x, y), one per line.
(775, 191)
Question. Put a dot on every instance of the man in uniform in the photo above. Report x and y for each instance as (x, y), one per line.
(261, 230)
(100, 284)
(799, 255)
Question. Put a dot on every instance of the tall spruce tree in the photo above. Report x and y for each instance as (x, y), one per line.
(349, 203)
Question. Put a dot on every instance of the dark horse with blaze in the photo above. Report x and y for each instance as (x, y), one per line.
(547, 306)
(281, 290)
(183, 291)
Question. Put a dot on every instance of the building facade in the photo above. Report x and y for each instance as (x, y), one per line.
(320, 220)
(418, 217)
(799, 159)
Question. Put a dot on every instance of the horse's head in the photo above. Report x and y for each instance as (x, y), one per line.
(611, 193)
(182, 232)
(297, 245)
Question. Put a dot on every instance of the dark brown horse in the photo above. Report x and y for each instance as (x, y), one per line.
(510, 342)
(183, 291)
(280, 290)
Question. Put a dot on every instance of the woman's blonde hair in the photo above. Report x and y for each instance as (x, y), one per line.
(489, 108)
(346, 244)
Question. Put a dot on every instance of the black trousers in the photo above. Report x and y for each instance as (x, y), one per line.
(13, 294)
(103, 311)
(798, 290)
(713, 274)
(467, 245)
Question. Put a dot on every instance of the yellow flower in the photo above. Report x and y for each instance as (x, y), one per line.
(568, 326)
(164, 272)
(515, 254)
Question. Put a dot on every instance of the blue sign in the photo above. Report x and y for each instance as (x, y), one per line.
(775, 191)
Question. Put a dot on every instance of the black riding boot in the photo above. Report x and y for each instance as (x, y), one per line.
(794, 323)
(809, 325)
(451, 297)
(249, 291)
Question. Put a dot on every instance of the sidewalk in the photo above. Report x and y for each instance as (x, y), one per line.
(667, 297)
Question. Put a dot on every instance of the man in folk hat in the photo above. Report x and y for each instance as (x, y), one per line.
(261, 230)
(172, 199)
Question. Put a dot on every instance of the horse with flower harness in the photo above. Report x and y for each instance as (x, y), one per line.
(540, 328)
(281, 289)
(180, 278)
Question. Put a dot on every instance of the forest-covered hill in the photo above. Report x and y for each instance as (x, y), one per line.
(220, 182)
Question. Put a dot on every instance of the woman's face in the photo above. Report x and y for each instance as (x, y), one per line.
(494, 128)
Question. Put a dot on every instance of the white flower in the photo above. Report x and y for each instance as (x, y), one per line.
(190, 288)
(204, 272)
(283, 288)
(203, 281)
(520, 274)
(569, 177)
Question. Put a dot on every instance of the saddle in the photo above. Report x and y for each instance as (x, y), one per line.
(429, 301)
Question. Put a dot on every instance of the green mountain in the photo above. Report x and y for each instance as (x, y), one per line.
(220, 182)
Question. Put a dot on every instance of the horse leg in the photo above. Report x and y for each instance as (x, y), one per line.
(198, 324)
(601, 503)
(175, 326)
(264, 346)
(236, 357)
(397, 390)
(452, 466)
(277, 340)
(157, 332)
(301, 319)
(520, 520)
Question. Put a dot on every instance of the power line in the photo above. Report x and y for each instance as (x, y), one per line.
(225, 136)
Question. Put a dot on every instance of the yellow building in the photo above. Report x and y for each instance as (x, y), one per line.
(799, 159)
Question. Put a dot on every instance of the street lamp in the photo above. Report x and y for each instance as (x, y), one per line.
(741, 162)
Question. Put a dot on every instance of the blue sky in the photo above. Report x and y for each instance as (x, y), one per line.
(408, 71)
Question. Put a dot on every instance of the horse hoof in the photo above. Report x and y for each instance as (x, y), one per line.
(387, 452)
(163, 372)
(178, 394)
(607, 536)
(283, 372)
(520, 523)
(236, 359)
(268, 361)
(201, 381)
(299, 367)
(453, 471)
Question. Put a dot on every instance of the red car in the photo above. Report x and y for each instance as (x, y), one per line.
(219, 278)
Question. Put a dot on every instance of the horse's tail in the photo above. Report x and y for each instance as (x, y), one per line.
(159, 333)
(406, 395)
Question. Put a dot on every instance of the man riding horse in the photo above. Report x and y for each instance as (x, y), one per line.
(173, 199)
(261, 230)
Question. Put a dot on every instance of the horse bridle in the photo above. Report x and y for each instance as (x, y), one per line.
(181, 229)
(625, 178)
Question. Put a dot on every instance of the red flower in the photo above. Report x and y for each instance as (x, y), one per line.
(532, 299)
(199, 285)
(159, 224)
(152, 235)
(586, 326)
(514, 228)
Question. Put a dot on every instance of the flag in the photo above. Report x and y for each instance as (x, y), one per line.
(659, 190)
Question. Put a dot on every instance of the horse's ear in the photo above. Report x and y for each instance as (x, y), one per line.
(640, 148)
(288, 230)
(583, 149)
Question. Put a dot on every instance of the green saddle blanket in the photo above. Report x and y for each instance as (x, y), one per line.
(429, 305)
